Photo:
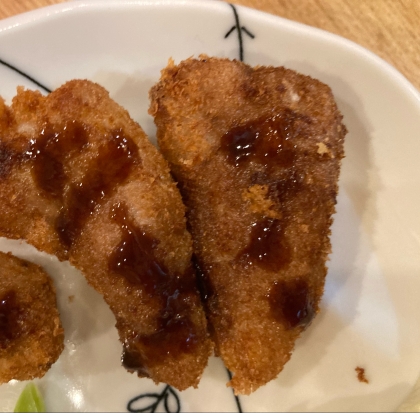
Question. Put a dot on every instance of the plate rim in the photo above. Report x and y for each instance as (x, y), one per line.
(37, 16)
(75, 6)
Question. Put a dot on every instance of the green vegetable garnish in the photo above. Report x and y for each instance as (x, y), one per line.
(30, 400)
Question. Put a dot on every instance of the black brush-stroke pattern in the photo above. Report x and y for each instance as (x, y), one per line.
(155, 400)
(239, 30)
(237, 400)
(25, 75)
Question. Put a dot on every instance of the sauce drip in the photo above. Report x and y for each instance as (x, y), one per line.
(134, 258)
(265, 149)
(291, 303)
(267, 141)
(133, 360)
(9, 317)
(49, 152)
(110, 167)
(267, 247)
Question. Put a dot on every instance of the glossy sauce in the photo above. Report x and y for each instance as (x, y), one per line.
(9, 317)
(48, 153)
(291, 303)
(267, 247)
(132, 359)
(134, 258)
(268, 141)
(268, 144)
(110, 167)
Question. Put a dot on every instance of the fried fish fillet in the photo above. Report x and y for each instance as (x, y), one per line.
(31, 336)
(256, 152)
(80, 179)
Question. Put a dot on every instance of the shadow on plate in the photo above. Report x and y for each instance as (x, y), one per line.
(131, 91)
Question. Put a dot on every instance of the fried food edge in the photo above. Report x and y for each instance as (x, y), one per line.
(231, 194)
(31, 334)
(109, 183)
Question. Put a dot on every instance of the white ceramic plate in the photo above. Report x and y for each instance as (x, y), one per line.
(371, 310)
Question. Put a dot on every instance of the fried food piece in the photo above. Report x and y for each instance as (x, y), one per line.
(256, 152)
(31, 336)
(80, 179)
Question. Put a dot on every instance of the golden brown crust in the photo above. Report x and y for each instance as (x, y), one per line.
(105, 166)
(31, 336)
(196, 105)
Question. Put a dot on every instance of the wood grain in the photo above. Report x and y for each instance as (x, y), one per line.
(11, 7)
(389, 28)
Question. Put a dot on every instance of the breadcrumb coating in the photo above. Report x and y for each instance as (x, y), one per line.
(256, 153)
(80, 179)
(31, 336)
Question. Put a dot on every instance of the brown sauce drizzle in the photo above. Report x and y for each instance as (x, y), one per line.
(134, 258)
(111, 167)
(269, 144)
(9, 317)
(48, 153)
(172, 338)
(267, 247)
(291, 303)
(268, 141)
(133, 359)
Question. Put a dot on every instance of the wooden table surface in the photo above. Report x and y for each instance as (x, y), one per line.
(389, 28)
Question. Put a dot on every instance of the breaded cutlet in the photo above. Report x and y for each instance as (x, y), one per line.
(80, 179)
(31, 336)
(256, 153)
